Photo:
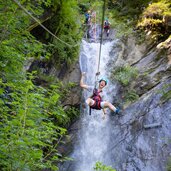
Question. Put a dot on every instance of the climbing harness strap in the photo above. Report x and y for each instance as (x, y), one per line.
(96, 105)
(97, 98)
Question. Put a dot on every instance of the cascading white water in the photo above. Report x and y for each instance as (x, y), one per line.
(94, 133)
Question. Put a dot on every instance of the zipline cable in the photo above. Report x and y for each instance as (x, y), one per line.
(35, 19)
(101, 39)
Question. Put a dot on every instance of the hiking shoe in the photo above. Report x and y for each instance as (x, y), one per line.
(117, 111)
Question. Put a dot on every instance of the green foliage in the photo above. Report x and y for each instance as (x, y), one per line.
(141, 15)
(17, 44)
(166, 92)
(125, 74)
(66, 89)
(122, 25)
(29, 124)
(131, 96)
(154, 19)
(97, 6)
(169, 165)
(32, 117)
(84, 6)
(156, 10)
(66, 25)
(72, 113)
(124, 14)
(91, 5)
(101, 167)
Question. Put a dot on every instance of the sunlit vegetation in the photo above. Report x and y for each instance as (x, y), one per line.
(124, 15)
(102, 167)
(155, 20)
(151, 17)
(125, 74)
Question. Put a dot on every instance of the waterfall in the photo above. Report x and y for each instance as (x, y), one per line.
(94, 134)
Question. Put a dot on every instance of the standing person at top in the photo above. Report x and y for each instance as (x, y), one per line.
(107, 26)
(87, 17)
(95, 101)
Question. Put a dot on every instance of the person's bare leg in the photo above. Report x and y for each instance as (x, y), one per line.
(90, 101)
(110, 106)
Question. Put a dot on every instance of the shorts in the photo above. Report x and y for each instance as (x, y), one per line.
(106, 27)
(101, 104)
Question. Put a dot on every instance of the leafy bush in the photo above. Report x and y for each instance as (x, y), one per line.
(29, 126)
(141, 15)
(32, 120)
(131, 96)
(101, 167)
(66, 25)
(125, 74)
(124, 15)
(153, 19)
(122, 25)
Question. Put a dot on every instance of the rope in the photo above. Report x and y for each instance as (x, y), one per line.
(101, 39)
(35, 19)
(95, 27)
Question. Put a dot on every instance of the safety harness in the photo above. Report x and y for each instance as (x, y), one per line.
(97, 98)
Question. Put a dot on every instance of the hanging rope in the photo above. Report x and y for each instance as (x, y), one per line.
(101, 39)
(35, 19)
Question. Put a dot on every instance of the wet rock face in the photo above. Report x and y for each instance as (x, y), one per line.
(143, 140)
(67, 74)
(72, 75)
(140, 136)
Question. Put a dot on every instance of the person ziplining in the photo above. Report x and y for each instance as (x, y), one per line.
(95, 101)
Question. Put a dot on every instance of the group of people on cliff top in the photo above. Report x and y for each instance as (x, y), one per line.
(106, 26)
